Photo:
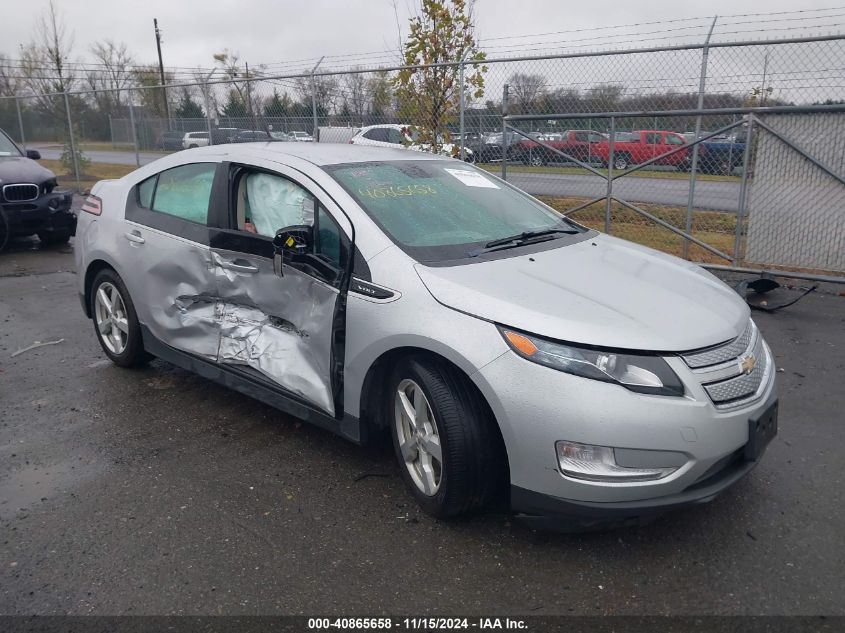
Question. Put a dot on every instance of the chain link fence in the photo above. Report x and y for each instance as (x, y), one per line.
(725, 153)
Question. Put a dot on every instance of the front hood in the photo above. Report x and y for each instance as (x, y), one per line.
(17, 169)
(603, 291)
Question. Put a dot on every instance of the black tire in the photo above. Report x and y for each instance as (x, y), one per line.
(536, 159)
(133, 355)
(54, 238)
(473, 466)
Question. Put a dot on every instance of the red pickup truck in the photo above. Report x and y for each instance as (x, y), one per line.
(632, 148)
(575, 143)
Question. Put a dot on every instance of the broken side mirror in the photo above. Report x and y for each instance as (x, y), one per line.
(290, 245)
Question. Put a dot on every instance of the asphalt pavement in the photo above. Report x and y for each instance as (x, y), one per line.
(154, 491)
(709, 195)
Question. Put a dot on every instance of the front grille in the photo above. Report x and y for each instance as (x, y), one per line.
(734, 373)
(721, 353)
(20, 193)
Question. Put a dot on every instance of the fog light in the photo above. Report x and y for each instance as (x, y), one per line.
(598, 463)
(53, 203)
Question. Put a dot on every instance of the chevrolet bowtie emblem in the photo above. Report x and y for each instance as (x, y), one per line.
(746, 365)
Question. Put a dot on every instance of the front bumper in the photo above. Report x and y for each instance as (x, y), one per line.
(537, 406)
(37, 216)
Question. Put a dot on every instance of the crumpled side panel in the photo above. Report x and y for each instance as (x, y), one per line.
(280, 327)
(180, 290)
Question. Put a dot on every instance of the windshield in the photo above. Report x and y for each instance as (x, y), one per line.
(7, 147)
(441, 210)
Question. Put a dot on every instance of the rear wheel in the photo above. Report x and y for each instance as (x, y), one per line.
(621, 162)
(115, 321)
(536, 159)
(443, 437)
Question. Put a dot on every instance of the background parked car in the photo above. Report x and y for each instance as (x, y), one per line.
(633, 148)
(394, 134)
(30, 199)
(301, 137)
(576, 143)
(170, 140)
(222, 135)
(194, 139)
(282, 136)
(251, 136)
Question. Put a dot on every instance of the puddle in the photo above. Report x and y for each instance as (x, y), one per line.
(21, 489)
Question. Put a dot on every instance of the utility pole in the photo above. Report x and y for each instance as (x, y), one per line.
(161, 72)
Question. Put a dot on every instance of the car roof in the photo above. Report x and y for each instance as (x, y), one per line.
(318, 153)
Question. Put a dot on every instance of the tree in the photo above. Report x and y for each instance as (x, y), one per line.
(526, 90)
(234, 106)
(227, 61)
(429, 95)
(277, 105)
(148, 77)
(379, 94)
(188, 108)
(355, 95)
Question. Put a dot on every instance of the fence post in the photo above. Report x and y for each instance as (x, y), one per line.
(705, 53)
(462, 105)
(20, 123)
(134, 131)
(208, 110)
(316, 126)
(504, 132)
(72, 143)
(743, 190)
(611, 157)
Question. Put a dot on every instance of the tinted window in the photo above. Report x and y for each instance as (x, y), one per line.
(145, 192)
(652, 138)
(395, 136)
(441, 210)
(273, 202)
(378, 134)
(184, 191)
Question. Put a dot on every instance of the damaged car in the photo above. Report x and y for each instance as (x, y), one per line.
(507, 350)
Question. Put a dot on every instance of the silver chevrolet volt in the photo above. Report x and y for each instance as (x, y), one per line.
(507, 350)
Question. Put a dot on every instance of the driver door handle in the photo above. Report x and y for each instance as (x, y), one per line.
(134, 237)
(238, 265)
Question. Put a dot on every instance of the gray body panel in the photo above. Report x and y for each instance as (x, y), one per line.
(614, 294)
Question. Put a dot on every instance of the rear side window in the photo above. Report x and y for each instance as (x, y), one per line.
(184, 192)
(378, 134)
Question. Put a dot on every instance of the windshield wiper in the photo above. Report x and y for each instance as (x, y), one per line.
(522, 239)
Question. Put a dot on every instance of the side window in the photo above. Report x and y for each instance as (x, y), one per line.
(267, 203)
(395, 136)
(674, 139)
(377, 134)
(328, 240)
(145, 192)
(184, 191)
(652, 138)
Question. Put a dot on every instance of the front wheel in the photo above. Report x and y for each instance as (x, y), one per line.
(621, 163)
(443, 438)
(115, 321)
(536, 159)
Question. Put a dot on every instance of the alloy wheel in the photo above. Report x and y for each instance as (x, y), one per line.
(419, 440)
(110, 315)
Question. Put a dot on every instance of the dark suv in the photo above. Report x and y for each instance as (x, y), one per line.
(30, 202)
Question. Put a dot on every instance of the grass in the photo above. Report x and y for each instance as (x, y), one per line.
(95, 172)
(496, 168)
(714, 228)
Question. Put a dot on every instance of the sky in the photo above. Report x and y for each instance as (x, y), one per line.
(289, 35)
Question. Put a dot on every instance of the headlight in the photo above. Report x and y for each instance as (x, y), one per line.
(642, 373)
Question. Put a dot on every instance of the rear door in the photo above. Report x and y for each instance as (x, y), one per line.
(287, 330)
(165, 248)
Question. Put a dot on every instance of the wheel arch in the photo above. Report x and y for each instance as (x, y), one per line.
(94, 267)
(371, 404)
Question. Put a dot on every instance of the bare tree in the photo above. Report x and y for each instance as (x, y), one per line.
(116, 63)
(324, 89)
(355, 89)
(526, 90)
(9, 81)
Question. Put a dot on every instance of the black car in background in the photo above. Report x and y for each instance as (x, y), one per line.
(252, 136)
(30, 201)
(170, 141)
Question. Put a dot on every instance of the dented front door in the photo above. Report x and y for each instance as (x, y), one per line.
(282, 327)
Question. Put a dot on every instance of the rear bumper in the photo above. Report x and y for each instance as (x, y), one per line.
(27, 218)
(553, 513)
